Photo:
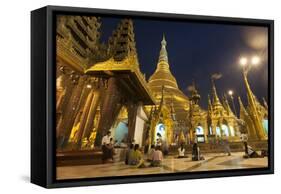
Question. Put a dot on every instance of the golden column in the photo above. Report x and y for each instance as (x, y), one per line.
(247, 119)
(84, 119)
(253, 112)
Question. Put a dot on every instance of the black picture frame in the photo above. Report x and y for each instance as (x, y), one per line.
(43, 109)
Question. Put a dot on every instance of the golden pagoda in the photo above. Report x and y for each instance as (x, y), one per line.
(221, 120)
(172, 104)
(163, 77)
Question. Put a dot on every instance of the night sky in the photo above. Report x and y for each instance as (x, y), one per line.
(198, 50)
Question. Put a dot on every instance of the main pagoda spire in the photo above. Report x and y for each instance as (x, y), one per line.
(163, 52)
(163, 76)
(163, 62)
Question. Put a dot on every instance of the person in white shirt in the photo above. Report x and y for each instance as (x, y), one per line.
(106, 147)
(181, 151)
(106, 139)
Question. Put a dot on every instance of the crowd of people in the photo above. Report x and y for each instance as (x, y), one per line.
(153, 156)
(134, 156)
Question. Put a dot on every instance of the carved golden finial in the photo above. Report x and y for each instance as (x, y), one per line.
(163, 52)
(163, 42)
(195, 96)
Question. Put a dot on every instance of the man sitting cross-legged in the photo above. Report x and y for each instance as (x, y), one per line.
(157, 157)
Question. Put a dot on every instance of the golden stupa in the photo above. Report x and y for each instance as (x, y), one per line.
(163, 78)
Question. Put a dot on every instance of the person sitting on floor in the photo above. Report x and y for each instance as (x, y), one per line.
(150, 153)
(136, 157)
(157, 157)
(181, 151)
(252, 153)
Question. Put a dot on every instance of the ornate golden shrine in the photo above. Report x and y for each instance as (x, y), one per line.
(161, 114)
(96, 80)
(222, 121)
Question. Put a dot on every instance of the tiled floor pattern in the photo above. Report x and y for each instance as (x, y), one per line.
(170, 165)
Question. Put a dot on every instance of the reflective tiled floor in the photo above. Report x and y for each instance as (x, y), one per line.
(170, 164)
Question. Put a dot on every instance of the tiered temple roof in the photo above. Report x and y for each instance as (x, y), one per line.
(123, 63)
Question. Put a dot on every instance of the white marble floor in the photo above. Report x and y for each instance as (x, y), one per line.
(170, 165)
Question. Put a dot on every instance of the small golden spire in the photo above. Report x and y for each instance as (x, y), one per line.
(265, 103)
(215, 95)
(242, 108)
(227, 106)
(210, 108)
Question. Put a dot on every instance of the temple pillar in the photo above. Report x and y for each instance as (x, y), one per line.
(152, 130)
(213, 128)
(76, 100)
(169, 133)
(252, 134)
(92, 112)
(110, 107)
(192, 134)
(62, 106)
(221, 131)
(60, 91)
(83, 119)
(206, 131)
(253, 112)
(132, 115)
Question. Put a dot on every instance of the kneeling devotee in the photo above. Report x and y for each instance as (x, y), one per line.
(150, 153)
(107, 148)
(135, 158)
(181, 152)
(252, 153)
(157, 157)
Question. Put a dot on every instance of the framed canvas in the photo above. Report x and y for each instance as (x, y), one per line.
(126, 96)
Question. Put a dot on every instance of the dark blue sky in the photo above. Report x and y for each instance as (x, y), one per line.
(195, 51)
